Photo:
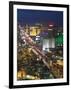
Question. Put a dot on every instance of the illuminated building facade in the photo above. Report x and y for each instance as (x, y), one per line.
(45, 36)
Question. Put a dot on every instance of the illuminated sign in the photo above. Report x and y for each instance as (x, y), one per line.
(34, 31)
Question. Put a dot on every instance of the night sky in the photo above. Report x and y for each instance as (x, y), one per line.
(32, 17)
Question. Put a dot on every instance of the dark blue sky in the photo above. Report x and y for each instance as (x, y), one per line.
(36, 16)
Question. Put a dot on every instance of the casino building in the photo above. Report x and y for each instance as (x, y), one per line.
(47, 37)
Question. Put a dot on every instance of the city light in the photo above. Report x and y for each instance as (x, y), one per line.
(49, 29)
(41, 57)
